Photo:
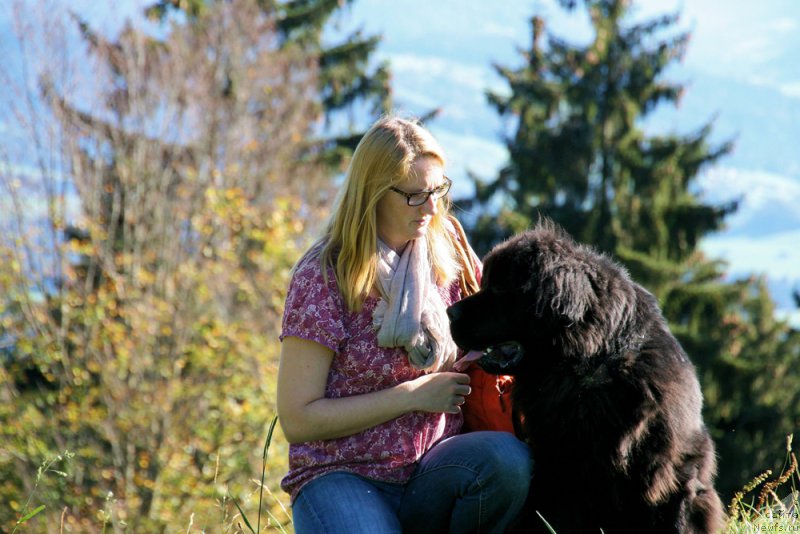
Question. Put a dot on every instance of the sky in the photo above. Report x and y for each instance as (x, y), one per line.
(741, 70)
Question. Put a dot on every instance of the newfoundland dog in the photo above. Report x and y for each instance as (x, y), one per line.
(604, 394)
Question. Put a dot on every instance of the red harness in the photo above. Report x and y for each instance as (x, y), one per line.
(488, 406)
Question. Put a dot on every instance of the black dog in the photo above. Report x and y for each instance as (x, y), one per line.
(606, 397)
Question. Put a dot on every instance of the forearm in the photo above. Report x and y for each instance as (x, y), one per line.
(327, 418)
(306, 414)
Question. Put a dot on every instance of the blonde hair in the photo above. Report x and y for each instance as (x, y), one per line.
(382, 159)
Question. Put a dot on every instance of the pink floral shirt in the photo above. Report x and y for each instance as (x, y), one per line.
(388, 452)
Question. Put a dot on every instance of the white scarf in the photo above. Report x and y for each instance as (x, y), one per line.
(411, 313)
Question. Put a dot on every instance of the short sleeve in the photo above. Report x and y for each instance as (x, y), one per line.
(314, 308)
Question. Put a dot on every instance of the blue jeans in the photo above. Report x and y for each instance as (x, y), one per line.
(475, 482)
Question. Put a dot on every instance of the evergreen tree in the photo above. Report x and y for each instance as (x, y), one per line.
(578, 154)
(347, 77)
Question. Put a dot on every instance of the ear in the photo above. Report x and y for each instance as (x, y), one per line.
(566, 289)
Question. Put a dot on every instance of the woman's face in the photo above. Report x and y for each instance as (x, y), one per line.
(398, 223)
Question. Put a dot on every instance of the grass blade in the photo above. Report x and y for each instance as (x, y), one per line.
(277, 523)
(29, 515)
(549, 527)
(264, 468)
(246, 522)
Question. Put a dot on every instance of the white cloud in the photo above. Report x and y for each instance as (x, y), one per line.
(414, 99)
(739, 39)
(470, 153)
(760, 79)
(754, 49)
(500, 30)
(792, 316)
(791, 89)
(777, 255)
(768, 201)
(763, 194)
(783, 24)
(760, 186)
(474, 77)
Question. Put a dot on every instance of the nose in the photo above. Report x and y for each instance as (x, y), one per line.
(431, 206)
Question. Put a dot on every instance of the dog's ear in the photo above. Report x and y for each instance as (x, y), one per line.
(566, 289)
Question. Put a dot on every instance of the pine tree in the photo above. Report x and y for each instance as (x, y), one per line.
(347, 77)
(579, 155)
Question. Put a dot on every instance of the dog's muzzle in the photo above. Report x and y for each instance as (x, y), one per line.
(502, 359)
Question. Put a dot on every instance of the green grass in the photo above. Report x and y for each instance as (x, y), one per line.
(765, 504)
(46, 467)
(776, 506)
(261, 488)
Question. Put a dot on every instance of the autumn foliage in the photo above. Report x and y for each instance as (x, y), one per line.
(140, 298)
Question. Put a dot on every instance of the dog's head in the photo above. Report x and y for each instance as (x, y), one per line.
(542, 292)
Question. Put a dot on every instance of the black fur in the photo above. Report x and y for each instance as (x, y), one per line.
(607, 398)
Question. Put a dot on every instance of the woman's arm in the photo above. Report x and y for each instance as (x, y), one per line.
(305, 414)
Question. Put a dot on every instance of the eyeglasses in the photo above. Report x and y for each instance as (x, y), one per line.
(421, 197)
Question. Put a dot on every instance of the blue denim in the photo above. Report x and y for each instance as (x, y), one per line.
(475, 482)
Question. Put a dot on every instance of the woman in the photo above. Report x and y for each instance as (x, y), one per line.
(367, 396)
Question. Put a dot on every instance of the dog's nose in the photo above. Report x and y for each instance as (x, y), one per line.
(453, 313)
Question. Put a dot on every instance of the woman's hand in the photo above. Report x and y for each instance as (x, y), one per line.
(306, 414)
(439, 392)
